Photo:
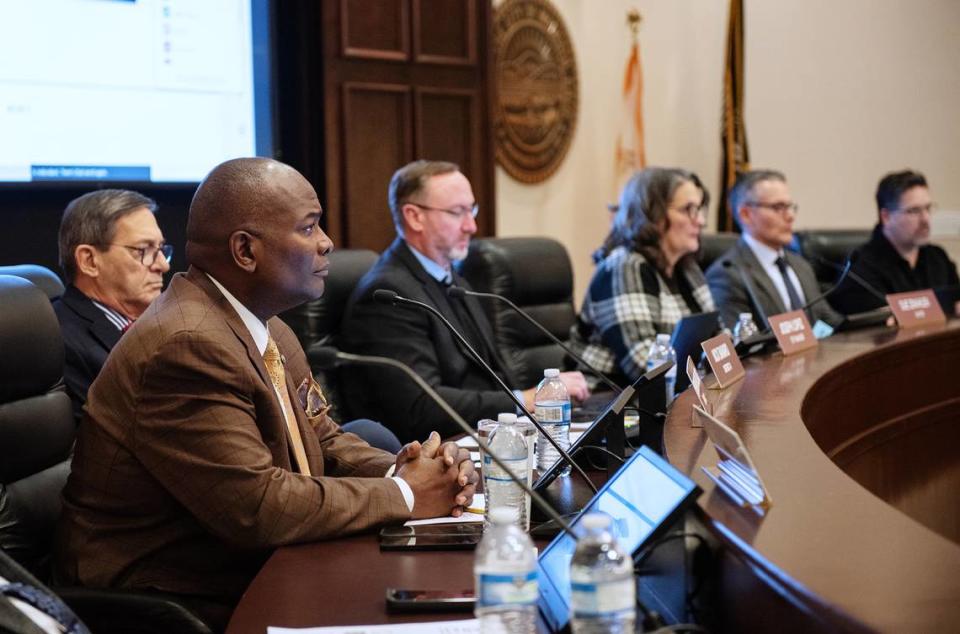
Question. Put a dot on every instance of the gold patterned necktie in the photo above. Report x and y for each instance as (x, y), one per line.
(274, 363)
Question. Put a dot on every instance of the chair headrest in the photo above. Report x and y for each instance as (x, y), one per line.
(41, 277)
(31, 361)
(536, 270)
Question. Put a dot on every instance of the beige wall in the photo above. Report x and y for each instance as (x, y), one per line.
(838, 92)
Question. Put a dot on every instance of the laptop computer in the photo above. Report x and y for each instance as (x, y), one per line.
(644, 498)
(686, 340)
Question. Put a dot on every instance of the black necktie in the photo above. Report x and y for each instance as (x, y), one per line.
(795, 302)
(469, 328)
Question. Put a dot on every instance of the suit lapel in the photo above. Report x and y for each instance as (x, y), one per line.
(809, 284)
(102, 330)
(483, 326)
(761, 280)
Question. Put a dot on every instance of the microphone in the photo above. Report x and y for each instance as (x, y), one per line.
(328, 357)
(385, 296)
(853, 276)
(843, 275)
(457, 292)
(751, 292)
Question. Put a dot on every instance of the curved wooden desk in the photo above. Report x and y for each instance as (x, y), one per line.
(858, 442)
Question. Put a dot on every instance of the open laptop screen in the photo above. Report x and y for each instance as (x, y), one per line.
(644, 498)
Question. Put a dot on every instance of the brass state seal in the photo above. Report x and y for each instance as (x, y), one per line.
(536, 74)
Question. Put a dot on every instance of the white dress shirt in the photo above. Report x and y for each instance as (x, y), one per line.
(768, 260)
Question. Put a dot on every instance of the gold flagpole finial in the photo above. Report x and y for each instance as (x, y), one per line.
(633, 22)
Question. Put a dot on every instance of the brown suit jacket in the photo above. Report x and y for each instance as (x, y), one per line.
(182, 478)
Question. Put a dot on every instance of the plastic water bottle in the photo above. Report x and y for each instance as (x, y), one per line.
(603, 590)
(552, 409)
(508, 443)
(505, 577)
(660, 352)
(745, 327)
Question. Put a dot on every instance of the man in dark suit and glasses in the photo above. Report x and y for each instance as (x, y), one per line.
(113, 257)
(434, 212)
(782, 280)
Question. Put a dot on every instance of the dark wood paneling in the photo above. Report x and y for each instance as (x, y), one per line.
(447, 127)
(444, 32)
(375, 29)
(376, 139)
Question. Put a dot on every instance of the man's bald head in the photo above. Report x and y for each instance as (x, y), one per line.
(254, 226)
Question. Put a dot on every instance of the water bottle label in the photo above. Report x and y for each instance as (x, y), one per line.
(599, 599)
(553, 413)
(518, 466)
(504, 589)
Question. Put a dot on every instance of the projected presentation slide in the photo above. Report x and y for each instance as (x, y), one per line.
(131, 90)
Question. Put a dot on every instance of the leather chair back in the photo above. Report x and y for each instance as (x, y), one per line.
(713, 245)
(36, 423)
(833, 245)
(536, 275)
(41, 277)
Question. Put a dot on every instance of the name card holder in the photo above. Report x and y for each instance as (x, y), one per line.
(916, 308)
(793, 332)
(723, 359)
(698, 388)
(734, 474)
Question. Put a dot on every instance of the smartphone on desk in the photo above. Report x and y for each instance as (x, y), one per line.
(400, 600)
(431, 537)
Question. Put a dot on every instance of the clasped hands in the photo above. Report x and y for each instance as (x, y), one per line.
(442, 476)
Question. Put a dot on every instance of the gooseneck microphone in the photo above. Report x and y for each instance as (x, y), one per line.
(751, 292)
(822, 296)
(458, 292)
(328, 357)
(862, 283)
(385, 296)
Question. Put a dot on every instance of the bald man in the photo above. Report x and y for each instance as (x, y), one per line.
(206, 444)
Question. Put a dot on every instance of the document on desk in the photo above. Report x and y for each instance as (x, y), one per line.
(467, 626)
(473, 514)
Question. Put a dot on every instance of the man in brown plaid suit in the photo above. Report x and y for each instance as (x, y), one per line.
(192, 464)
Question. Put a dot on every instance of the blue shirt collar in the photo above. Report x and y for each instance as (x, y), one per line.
(433, 269)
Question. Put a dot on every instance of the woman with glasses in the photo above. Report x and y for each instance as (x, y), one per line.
(647, 278)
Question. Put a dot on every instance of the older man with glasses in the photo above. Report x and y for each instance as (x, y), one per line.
(898, 258)
(434, 212)
(113, 257)
(759, 275)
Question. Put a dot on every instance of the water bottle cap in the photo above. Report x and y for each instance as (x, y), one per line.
(596, 521)
(504, 515)
(745, 316)
(663, 339)
(550, 373)
(506, 417)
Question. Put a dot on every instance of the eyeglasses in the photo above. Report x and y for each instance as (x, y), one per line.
(693, 210)
(919, 209)
(780, 208)
(460, 213)
(148, 255)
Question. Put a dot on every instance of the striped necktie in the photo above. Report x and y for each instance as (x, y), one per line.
(274, 363)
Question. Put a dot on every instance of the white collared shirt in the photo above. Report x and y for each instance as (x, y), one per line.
(260, 333)
(768, 260)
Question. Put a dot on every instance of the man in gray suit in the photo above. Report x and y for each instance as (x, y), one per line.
(781, 280)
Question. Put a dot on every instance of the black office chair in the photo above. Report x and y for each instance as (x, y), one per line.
(713, 245)
(536, 275)
(832, 245)
(37, 432)
(41, 277)
(317, 323)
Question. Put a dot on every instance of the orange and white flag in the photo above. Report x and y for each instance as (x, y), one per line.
(630, 155)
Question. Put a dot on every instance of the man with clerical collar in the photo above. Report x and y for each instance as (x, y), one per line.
(434, 213)
(113, 257)
(781, 280)
(898, 257)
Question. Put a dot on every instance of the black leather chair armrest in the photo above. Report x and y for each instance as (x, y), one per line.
(131, 612)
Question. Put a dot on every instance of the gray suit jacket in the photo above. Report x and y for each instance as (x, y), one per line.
(732, 298)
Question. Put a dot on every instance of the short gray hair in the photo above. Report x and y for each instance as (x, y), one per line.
(743, 189)
(409, 180)
(92, 219)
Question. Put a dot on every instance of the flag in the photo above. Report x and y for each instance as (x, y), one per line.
(733, 133)
(629, 155)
